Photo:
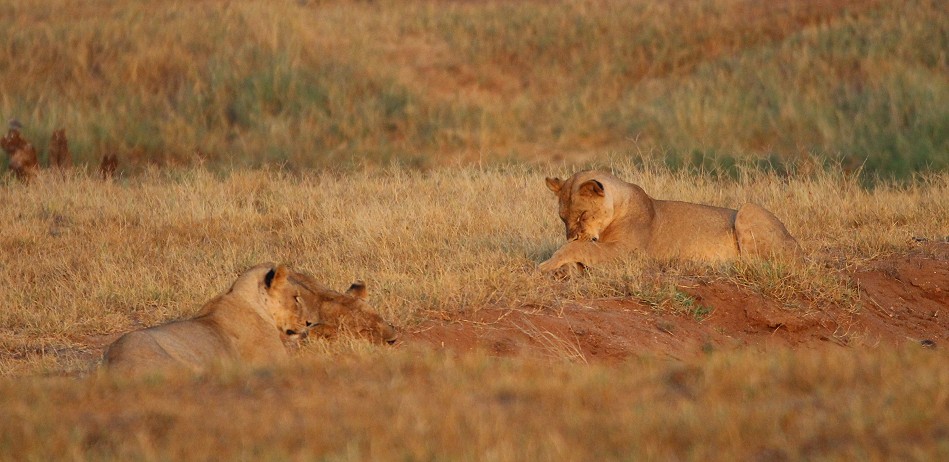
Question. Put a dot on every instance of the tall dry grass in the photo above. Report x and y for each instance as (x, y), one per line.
(86, 258)
(341, 83)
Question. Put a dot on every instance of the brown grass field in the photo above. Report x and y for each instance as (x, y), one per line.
(824, 358)
(405, 143)
(338, 84)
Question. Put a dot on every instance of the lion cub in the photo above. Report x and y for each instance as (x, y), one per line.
(606, 218)
(328, 312)
(244, 325)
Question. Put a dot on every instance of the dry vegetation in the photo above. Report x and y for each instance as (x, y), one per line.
(87, 260)
(826, 405)
(93, 258)
(331, 83)
(417, 117)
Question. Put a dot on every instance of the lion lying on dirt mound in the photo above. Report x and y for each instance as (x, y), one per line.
(329, 312)
(606, 218)
(242, 325)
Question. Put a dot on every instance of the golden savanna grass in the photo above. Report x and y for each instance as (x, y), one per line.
(416, 116)
(331, 83)
(87, 258)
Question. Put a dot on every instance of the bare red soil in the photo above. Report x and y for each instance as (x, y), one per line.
(903, 299)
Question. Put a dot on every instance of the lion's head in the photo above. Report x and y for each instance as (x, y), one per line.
(586, 207)
(328, 312)
(285, 301)
(272, 290)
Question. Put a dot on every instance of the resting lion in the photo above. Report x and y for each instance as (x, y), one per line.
(243, 325)
(246, 324)
(606, 218)
(328, 312)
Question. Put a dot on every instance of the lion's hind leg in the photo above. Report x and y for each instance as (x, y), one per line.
(761, 234)
(136, 353)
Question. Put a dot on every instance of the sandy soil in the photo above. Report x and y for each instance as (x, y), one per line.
(904, 299)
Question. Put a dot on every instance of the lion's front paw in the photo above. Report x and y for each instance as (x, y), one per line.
(562, 269)
(548, 266)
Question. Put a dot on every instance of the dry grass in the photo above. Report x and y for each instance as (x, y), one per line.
(342, 83)
(827, 405)
(85, 259)
(383, 96)
(88, 258)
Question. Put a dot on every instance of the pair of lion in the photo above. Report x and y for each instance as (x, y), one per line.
(246, 324)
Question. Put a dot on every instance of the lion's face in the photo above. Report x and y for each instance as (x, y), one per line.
(328, 312)
(285, 301)
(584, 208)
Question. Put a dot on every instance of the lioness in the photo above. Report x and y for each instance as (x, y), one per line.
(606, 217)
(242, 325)
(327, 312)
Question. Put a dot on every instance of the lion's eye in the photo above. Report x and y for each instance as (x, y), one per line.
(297, 299)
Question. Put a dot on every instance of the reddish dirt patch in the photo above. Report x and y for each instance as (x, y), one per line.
(906, 298)
(903, 300)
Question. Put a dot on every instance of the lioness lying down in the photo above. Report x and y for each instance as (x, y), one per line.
(606, 218)
(242, 325)
(245, 325)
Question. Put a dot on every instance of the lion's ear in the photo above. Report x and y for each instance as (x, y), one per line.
(554, 184)
(358, 290)
(276, 277)
(592, 188)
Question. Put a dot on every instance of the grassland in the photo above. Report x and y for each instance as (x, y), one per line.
(87, 259)
(405, 144)
(92, 258)
(827, 405)
(344, 83)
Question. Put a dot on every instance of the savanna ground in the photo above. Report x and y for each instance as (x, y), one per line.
(407, 144)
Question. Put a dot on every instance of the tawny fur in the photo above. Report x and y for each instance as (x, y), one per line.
(329, 312)
(243, 325)
(606, 218)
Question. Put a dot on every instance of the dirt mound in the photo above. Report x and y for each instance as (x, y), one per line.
(903, 299)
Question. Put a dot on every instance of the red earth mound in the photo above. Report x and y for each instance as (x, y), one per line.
(903, 299)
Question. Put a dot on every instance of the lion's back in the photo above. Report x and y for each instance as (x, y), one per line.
(693, 231)
(181, 344)
(136, 352)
